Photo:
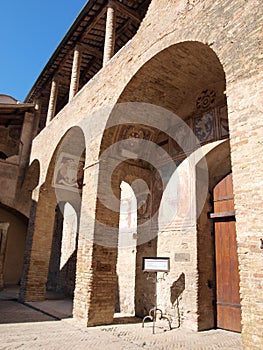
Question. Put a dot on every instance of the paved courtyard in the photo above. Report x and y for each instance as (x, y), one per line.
(49, 325)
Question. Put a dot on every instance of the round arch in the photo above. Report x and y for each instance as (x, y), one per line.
(174, 104)
(63, 183)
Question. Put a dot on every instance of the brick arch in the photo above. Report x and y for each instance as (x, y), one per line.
(22, 202)
(116, 95)
(179, 81)
(218, 163)
(150, 47)
(62, 265)
(146, 242)
(32, 175)
(46, 198)
(183, 71)
(14, 212)
(48, 160)
(146, 44)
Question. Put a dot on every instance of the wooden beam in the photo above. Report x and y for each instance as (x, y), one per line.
(89, 50)
(10, 116)
(125, 9)
(222, 215)
(69, 54)
(123, 28)
(93, 23)
(10, 106)
(89, 65)
(62, 79)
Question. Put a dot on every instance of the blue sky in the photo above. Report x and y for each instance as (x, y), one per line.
(30, 32)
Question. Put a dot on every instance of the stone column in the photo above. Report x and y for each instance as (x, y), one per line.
(26, 141)
(37, 118)
(38, 245)
(52, 100)
(3, 240)
(74, 84)
(25, 148)
(110, 33)
(94, 300)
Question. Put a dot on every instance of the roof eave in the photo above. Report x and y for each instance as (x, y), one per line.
(69, 33)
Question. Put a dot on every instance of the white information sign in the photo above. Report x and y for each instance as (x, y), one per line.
(156, 264)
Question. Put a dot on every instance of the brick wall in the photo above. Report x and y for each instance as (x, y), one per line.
(232, 30)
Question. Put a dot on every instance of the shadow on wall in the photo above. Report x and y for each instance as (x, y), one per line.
(117, 296)
(62, 280)
(176, 291)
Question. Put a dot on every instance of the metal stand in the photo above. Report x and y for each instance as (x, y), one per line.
(154, 311)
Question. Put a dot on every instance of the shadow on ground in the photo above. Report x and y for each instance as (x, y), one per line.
(12, 311)
(56, 307)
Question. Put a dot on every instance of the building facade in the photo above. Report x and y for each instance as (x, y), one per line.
(147, 142)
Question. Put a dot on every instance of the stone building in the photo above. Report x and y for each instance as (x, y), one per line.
(147, 142)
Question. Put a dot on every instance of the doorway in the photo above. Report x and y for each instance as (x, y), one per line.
(228, 308)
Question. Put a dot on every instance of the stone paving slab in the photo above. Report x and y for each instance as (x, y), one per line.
(177, 338)
(58, 308)
(66, 334)
(14, 312)
(57, 335)
(22, 327)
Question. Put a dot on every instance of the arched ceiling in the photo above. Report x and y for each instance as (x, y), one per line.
(182, 78)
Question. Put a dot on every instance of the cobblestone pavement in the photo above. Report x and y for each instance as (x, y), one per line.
(24, 327)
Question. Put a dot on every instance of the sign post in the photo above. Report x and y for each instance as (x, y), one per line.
(155, 265)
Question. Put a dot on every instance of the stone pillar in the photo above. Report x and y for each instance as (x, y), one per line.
(74, 84)
(3, 240)
(246, 141)
(110, 33)
(52, 100)
(26, 138)
(38, 245)
(94, 301)
(37, 118)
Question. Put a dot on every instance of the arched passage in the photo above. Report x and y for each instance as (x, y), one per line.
(12, 245)
(172, 105)
(126, 261)
(63, 183)
(62, 264)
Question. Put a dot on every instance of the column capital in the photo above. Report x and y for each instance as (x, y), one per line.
(56, 78)
(111, 4)
(78, 47)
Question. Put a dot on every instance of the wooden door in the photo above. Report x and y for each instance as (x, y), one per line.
(227, 274)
